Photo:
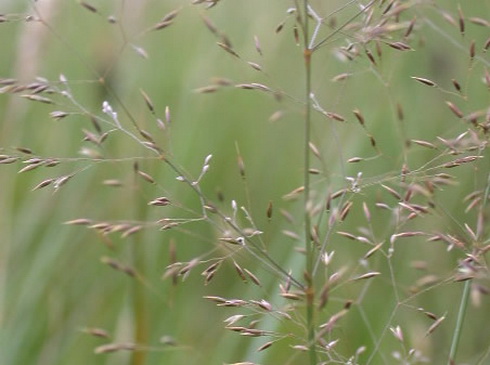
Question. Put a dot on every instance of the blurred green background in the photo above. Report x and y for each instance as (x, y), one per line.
(53, 285)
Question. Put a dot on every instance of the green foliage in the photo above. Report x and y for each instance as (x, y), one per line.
(155, 206)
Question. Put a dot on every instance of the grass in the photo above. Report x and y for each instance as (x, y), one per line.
(342, 215)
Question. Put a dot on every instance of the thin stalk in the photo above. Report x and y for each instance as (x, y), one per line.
(309, 291)
(256, 251)
(139, 306)
(138, 292)
(459, 322)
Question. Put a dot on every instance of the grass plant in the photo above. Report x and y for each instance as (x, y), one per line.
(242, 183)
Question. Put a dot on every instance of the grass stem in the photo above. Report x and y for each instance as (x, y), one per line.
(459, 322)
(310, 292)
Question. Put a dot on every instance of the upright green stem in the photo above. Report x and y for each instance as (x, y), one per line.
(310, 292)
(138, 294)
(459, 321)
(138, 302)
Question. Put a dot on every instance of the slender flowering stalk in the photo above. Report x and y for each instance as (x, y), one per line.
(309, 290)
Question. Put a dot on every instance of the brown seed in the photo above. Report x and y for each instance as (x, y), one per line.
(328, 326)
(461, 161)
(233, 303)
(209, 277)
(91, 137)
(472, 50)
(473, 204)
(392, 192)
(370, 56)
(355, 159)
(455, 109)
(80, 221)
(300, 348)
(25, 150)
(487, 81)
(373, 250)
(7, 81)
(30, 167)
(291, 296)
(62, 180)
(368, 275)
(265, 346)
(210, 25)
(366, 211)
(345, 210)
(89, 7)
(399, 112)
(160, 202)
(211, 268)
(131, 231)
(338, 193)
(296, 35)
(372, 141)
(379, 50)
(424, 143)
(280, 26)
(254, 86)
(148, 101)
(171, 16)
(410, 27)
(424, 81)
(347, 234)
(472, 195)
(38, 98)
(257, 45)
(359, 116)
(294, 194)
(207, 89)
(96, 124)
(228, 49)
(215, 299)
(43, 184)
(394, 237)
(241, 166)
(335, 116)
(382, 206)
(33, 160)
(240, 271)
(252, 277)
(112, 182)
(479, 21)
(408, 207)
(486, 45)
(341, 77)
(400, 46)
(315, 150)
(145, 176)
(57, 115)
(262, 304)
(255, 66)
(269, 210)
(97, 332)
(116, 265)
(456, 85)
(461, 20)
(388, 8)
(276, 116)
(114, 347)
(435, 325)
(162, 25)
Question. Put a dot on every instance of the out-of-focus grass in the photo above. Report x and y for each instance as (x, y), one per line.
(53, 284)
